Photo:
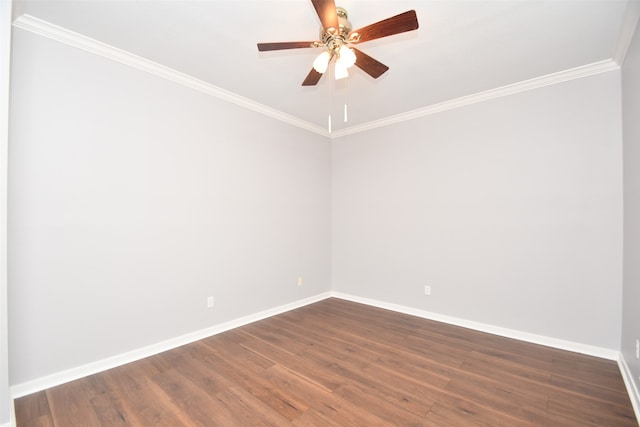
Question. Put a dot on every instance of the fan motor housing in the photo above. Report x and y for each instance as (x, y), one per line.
(343, 21)
(343, 24)
(334, 40)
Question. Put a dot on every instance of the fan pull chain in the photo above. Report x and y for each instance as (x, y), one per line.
(345, 101)
(330, 104)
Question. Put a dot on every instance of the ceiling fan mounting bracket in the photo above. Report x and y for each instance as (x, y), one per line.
(343, 21)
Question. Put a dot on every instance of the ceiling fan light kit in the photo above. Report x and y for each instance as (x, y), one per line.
(322, 62)
(341, 71)
(336, 35)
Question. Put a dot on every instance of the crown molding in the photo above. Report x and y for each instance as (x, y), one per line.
(627, 30)
(63, 35)
(512, 89)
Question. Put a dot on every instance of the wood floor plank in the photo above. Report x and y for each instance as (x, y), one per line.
(590, 411)
(515, 402)
(202, 409)
(494, 367)
(529, 382)
(143, 402)
(239, 367)
(226, 338)
(354, 327)
(615, 396)
(296, 383)
(34, 409)
(295, 337)
(386, 404)
(70, 406)
(279, 338)
(108, 409)
(454, 411)
(339, 363)
(308, 367)
(588, 369)
(249, 410)
(191, 364)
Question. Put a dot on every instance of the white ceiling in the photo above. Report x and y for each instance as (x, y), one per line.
(461, 48)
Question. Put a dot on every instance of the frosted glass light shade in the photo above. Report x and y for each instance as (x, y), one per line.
(347, 56)
(341, 71)
(321, 63)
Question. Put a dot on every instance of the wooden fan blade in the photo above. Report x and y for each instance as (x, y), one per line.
(326, 10)
(369, 65)
(406, 21)
(312, 78)
(262, 47)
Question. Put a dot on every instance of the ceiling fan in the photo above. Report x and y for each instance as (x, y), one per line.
(336, 37)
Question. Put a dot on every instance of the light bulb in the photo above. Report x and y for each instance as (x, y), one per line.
(341, 71)
(321, 63)
(347, 56)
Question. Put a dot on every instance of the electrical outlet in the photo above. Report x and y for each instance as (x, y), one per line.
(299, 281)
(427, 290)
(210, 302)
(637, 349)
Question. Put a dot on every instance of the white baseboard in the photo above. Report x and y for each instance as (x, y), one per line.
(604, 353)
(58, 378)
(632, 390)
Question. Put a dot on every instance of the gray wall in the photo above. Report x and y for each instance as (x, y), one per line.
(5, 45)
(511, 210)
(132, 199)
(631, 136)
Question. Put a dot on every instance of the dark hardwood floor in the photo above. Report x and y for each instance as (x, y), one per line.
(338, 363)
